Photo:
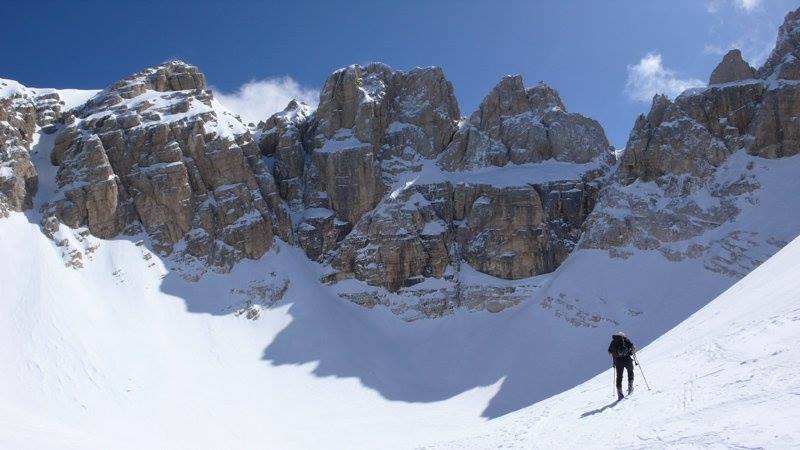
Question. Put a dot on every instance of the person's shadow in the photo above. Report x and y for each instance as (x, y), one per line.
(599, 410)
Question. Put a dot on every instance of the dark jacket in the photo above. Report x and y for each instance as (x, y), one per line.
(618, 346)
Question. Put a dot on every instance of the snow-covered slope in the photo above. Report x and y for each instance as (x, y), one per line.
(725, 377)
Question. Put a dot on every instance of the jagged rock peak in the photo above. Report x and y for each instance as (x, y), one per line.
(174, 75)
(170, 76)
(153, 153)
(518, 125)
(510, 98)
(543, 97)
(368, 98)
(732, 68)
(295, 113)
(784, 61)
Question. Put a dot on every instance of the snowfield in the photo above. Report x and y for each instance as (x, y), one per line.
(727, 377)
(124, 354)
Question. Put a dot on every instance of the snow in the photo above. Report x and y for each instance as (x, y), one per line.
(434, 228)
(725, 377)
(119, 351)
(343, 140)
(71, 97)
(115, 354)
(510, 175)
(317, 213)
(9, 88)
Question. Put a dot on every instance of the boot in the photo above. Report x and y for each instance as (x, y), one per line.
(630, 387)
(619, 394)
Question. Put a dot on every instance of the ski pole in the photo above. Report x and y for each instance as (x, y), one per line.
(635, 359)
(614, 379)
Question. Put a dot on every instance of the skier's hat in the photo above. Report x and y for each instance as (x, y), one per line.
(619, 333)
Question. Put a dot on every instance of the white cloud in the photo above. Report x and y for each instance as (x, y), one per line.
(256, 100)
(715, 6)
(649, 77)
(748, 5)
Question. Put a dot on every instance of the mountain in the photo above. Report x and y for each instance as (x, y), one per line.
(173, 277)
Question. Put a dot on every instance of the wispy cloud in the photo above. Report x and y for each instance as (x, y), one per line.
(715, 6)
(256, 100)
(748, 5)
(755, 50)
(649, 77)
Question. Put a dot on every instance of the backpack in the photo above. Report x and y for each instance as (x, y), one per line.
(624, 348)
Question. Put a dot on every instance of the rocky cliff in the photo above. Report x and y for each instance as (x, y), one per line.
(402, 201)
(381, 181)
(156, 152)
(22, 110)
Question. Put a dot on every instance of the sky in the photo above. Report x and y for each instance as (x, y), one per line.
(606, 59)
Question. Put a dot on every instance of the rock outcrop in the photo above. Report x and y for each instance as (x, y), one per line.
(18, 176)
(732, 68)
(155, 151)
(509, 232)
(437, 224)
(378, 206)
(22, 110)
(783, 62)
(373, 122)
(281, 137)
(702, 127)
(518, 125)
(336, 164)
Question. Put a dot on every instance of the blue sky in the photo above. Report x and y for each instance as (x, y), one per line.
(606, 58)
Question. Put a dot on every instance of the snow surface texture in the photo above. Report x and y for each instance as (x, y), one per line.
(725, 377)
(107, 357)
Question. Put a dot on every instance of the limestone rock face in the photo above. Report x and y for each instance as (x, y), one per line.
(155, 150)
(784, 61)
(507, 232)
(18, 176)
(776, 125)
(22, 110)
(732, 68)
(519, 125)
(281, 136)
(700, 129)
(369, 99)
(438, 228)
(373, 122)
(669, 141)
(377, 206)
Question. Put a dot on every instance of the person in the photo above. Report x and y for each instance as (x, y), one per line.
(621, 350)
